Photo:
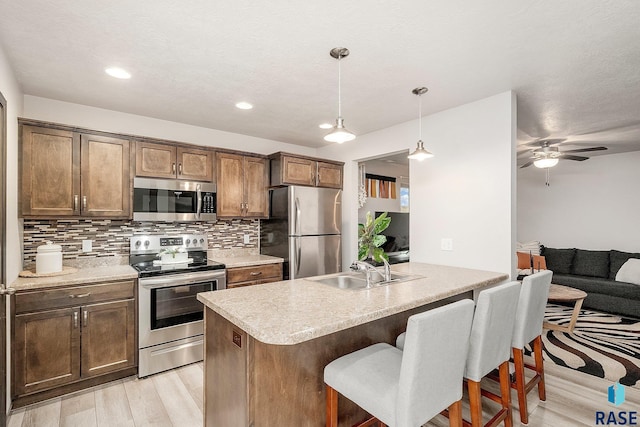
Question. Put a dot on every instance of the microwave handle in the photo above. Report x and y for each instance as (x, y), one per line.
(199, 201)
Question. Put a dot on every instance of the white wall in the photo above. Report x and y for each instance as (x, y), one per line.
(12, 93)
(594, 204)
(466, 192)
(114, 121)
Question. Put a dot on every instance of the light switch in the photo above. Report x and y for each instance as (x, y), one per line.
(87, 245)
(446, 244)
(247, 238)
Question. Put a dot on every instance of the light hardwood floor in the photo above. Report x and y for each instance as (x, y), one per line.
(174, 398)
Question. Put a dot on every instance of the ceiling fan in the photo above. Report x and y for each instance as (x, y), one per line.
(548, 154)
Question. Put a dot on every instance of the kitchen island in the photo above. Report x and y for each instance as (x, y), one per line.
(266, 346)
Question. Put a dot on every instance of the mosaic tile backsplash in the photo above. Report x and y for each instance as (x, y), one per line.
(110, 238)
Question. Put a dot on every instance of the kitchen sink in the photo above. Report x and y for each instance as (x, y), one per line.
(357, 280)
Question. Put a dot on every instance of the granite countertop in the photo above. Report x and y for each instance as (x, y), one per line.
(83, 276)
(246, 260)
(294, 311)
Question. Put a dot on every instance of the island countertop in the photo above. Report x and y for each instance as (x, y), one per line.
(295, 311)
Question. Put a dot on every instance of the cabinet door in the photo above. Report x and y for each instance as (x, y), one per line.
(230, 177)
(108, 337)
(46, 350)
(256, 181)
(195, 164)
(106, 186)
(329, 175)
(298, 171)
(155, 160)
(50, 172)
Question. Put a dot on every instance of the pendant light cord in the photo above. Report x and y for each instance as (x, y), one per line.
(339, 89)
(420, 115)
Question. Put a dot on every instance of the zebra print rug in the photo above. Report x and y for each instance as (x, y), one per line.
(602, 344)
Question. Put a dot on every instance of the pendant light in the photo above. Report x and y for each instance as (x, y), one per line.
(339, 133)
(420, 154)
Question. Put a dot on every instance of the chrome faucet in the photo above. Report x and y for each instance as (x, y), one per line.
(367, 268)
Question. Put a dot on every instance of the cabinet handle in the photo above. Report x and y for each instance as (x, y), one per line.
(75, 202)
(84, 318)
(318, 178)
(75, 319)
(313, 178)
(84, 203)
(255, 273)
(179, 168)
(173, 168)
(80, 295)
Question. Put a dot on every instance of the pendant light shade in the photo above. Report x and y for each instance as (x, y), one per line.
(420, 153)
(339, 133)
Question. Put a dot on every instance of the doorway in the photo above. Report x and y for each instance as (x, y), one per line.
(385, 182)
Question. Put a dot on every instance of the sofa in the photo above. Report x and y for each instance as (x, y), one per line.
(595, 273)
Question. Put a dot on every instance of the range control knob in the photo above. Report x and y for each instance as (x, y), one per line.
(188, 241)
(146, 243)
(138, 243)
(201, 241)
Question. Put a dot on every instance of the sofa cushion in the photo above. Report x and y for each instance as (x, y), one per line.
(618, 258)
(598, 286)
(591, 263)
(558, 260)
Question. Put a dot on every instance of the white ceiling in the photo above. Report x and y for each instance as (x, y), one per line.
(575, 64)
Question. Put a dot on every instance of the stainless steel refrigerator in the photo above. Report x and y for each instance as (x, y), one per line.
(304, 228)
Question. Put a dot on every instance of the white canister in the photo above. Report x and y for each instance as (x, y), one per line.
(49, 258)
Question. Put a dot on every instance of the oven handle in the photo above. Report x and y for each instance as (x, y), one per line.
(182, 279)
(199, 201)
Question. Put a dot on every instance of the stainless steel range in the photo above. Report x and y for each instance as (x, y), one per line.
(170, 317)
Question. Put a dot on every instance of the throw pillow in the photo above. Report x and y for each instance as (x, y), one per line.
(629, 272)
(559, 260)
(591, 263)
(524, 259)
(533, 247)
(617, 259)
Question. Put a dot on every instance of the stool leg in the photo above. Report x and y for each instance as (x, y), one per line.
(332, 407)
(455, 414)
(537, 354)
(505, 392)
(475, 403)
(518, 361)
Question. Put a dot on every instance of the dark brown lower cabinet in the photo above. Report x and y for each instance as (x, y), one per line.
(58, 350)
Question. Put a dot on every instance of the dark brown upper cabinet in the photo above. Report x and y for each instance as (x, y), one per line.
(242, 186)
(290, 169)
(156, 160)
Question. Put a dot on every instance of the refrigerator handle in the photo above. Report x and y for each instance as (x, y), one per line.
(298, 253)
(296, 225)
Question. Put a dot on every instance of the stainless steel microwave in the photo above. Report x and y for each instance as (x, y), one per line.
(173, 200)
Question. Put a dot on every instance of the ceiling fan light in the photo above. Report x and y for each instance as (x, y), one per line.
(420, 153)
(546, 162)
(339, 134)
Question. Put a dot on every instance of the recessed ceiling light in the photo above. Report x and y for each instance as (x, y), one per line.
(118, 73)
(325, 126)
(244, 106)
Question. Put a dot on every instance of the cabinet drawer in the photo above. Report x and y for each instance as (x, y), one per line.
(72, 296)
(258, 272)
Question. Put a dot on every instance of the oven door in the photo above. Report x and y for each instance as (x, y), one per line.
(172, 200)
(168, 306)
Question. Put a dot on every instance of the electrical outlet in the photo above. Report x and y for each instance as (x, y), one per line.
(247, 239)
(446, 244)
(87, 245)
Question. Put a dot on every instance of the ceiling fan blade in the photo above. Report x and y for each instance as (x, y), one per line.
(571, 157)
(585, 150)
(526, 165)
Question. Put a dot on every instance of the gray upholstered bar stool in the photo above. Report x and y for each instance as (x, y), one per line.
(407, 388)
(528, 329)
(490, 348)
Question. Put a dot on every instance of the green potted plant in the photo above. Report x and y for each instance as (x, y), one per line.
(370, 240)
